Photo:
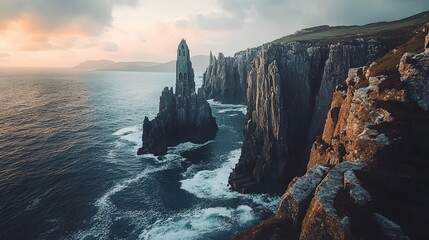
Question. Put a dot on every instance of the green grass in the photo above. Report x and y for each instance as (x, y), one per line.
(392, 32)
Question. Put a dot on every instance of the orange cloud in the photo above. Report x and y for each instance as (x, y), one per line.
(4, 55)
(25, 34)
(52, 24)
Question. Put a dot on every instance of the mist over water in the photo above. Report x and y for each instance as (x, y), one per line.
(69, 170)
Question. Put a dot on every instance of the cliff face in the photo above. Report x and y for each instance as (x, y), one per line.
(183, 116)
(289, 90)
(225, 79)
(367, 175)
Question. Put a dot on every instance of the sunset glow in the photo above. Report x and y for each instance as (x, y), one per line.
(52, 33)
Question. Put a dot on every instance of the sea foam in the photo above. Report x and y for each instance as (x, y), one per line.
(200, 223)
(107, 212)
(213, 183)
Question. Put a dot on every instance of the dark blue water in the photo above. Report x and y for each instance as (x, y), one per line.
(69, 170)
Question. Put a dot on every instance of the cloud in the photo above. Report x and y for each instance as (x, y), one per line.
(33, 43)
(278, 14)
(88, 17)
(338, 12)
(4, 55)
(93, 29)
(34, 25)
(219, 21)
(182, 23)
(110, 47)
(230, 15)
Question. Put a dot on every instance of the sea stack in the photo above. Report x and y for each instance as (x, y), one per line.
(183, 116)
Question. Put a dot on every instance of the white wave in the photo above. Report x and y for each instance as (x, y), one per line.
(111, 155)
(194, 224)
(187, 146)
(266, 201)
(126, 136)
(213, 183)
(169, 157)
(126, 130)
(190, 171)
(197, 223)
(235, 109)
(226, 108)
(106, 210)
(135, 137)
(104, 217)
(131, 134)
(175, 151)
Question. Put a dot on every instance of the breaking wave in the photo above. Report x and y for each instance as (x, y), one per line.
(200, 223)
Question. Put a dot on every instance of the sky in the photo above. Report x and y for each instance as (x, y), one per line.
(62, 33)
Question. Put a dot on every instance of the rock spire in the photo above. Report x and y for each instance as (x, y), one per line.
(183, 116)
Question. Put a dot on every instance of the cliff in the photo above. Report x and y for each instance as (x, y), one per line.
(225, 79)
(289, 88)
(289, 93)
(183, 116)
(367, 174)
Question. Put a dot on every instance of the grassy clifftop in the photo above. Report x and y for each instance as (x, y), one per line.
(391, 33)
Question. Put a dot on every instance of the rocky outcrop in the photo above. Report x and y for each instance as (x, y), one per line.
(225, 79)
(183, 116)
(414, 69)
(367, 175)
(297, 198)
(427, 38)
(327, 204)
(350, 131)
(325, 219)
(289, 90)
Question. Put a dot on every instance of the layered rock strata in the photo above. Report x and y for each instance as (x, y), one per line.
(225, 79)
(183, 116)
(367, 176)
(331, 51)
(288, 95)
(327, 203)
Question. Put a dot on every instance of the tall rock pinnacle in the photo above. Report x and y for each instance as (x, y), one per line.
(185, 84)
(183, 116)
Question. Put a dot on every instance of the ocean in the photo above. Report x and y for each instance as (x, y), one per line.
(69, 169)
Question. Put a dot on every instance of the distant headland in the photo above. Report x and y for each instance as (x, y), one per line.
(200, 62)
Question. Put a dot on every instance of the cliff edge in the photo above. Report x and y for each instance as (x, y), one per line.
(290, 88)
(225, 79)
(367, 174)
